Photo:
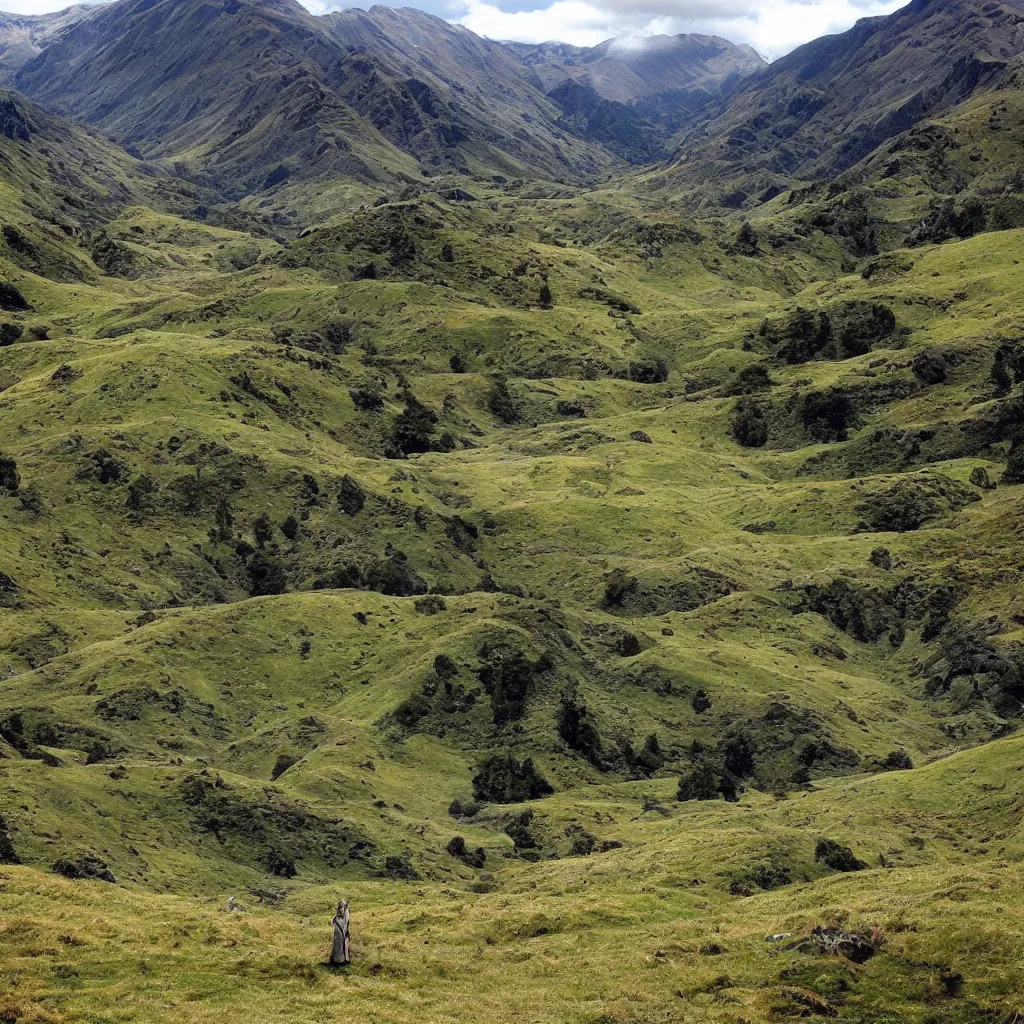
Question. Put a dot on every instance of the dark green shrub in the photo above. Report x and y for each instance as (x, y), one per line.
(909, 503)
(501, 402)
(30, 500)
(582, 845)
(698, 782)
(739, 754)
(412, 710)
(930, 367)
(413, 427)
(649, 759)
(473, 858)
(826, 415)
(266, 575)
(10, 478)
(445, 667)
(747, 240)
(628, 645)
(351, 496)
(262, 530)
(858, 611)
(432, 604)
(503, 779)
(509, 678)
(836, 856)
(7, 852)
(9, 334)
(1014, 472)
(648, 371)
(11, 298)
(367, 398)
(570, 407)
(101, 465)
(223, 522)
(749, 426)
(517, 828)
(897, 761)
(400, 867)
(700, 701)
(751, 380)
(577, 728)
(141, 491)
(87, 866)
(395, 577)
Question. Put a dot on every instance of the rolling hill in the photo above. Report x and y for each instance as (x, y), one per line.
(612, 587)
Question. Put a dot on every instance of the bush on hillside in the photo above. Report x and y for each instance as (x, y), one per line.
(576, 726)
(836, 856)
(504, 779)
(749, 426)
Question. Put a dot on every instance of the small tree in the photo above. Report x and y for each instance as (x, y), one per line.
(698, 782)
(747, 239)
(351, 496)
(414, 426)
(544, 297)
(262, 530)
(223, 521)
(139, 498)
(749, 426)
(10, 479)
(501, 402)
(290, 527)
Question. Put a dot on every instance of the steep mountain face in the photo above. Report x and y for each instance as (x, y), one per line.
(23, 36)
(630, 95)
(62, 182)
(626, 70)
(428, 85)
(248, 93)
(828, 104)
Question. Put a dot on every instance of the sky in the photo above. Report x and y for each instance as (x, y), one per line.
(772, 27)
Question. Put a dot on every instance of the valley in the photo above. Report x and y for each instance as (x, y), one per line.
(581, 528)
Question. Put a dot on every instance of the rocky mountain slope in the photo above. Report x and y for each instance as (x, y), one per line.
(26, 36)
(244, 95)
(827, 105)
(628, 70)
(631, 95)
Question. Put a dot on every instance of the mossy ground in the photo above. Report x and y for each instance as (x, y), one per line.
(161, 659)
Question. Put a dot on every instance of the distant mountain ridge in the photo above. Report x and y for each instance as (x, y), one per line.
(252, 92)
(627, 70)
(246, 97)
(632, 94)
(819, 110)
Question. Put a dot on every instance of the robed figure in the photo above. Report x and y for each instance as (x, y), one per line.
(341, 945)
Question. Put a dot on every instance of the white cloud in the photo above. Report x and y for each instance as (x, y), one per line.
(773, 27)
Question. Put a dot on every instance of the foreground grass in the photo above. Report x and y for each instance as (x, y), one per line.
(647, 932)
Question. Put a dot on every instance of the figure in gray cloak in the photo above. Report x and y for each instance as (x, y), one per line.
(341, 951)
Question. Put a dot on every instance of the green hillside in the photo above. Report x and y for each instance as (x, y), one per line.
(589, 589)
